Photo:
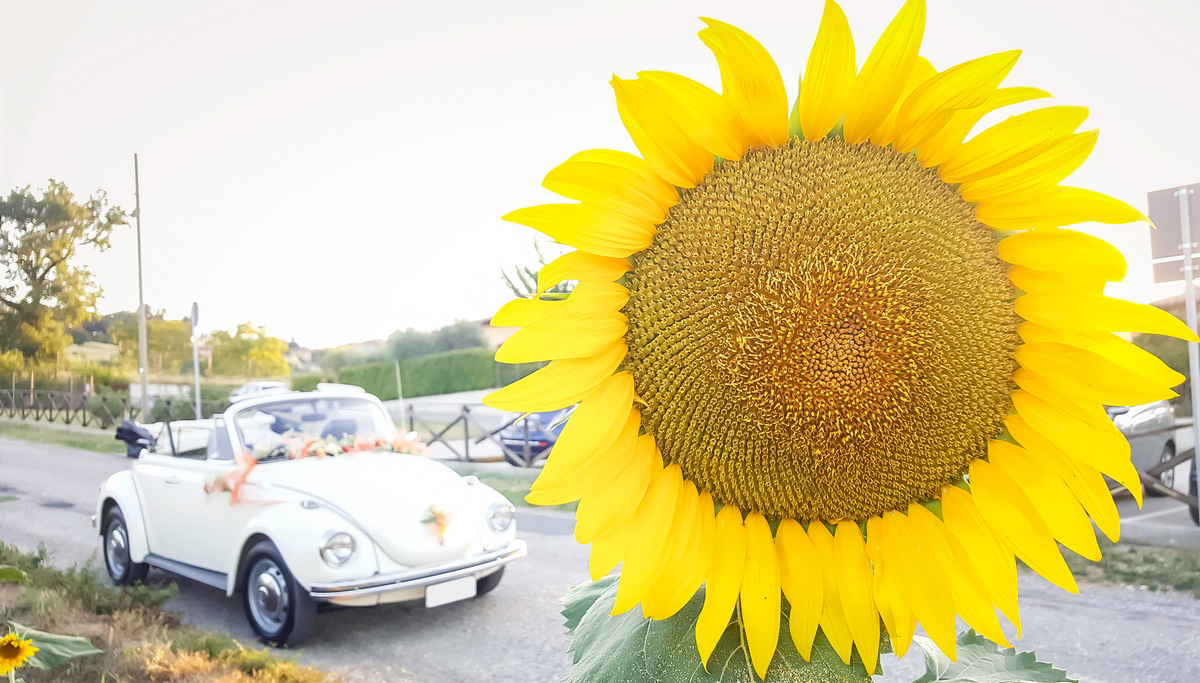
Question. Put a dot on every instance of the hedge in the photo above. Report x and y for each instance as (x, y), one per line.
(428, 375)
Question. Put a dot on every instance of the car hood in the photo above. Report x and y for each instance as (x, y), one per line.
(389, 496)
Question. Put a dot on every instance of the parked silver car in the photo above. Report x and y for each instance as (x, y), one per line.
(1151, 437)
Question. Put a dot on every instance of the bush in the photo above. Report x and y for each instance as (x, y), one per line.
(306, 382)
(444, 373)
(376, 378)
(107, 406)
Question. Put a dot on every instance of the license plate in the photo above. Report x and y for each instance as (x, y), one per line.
(450, 591)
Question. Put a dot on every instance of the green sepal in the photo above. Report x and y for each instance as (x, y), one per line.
(979, 659)
(629, 648)
(53, 650)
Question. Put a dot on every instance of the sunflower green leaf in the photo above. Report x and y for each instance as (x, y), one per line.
(629, 648)
(54, 650)
(979, 659)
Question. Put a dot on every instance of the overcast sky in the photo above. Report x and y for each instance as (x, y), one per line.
(336, 171)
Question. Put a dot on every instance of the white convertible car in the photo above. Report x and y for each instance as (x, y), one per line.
(292, 499)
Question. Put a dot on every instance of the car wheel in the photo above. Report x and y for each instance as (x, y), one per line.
(1167, 477)
(121, 568)
(1192, 491)
(278, 608)
(488, 583)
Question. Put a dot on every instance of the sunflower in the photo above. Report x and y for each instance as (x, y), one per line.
(839, 354)
(14, 652)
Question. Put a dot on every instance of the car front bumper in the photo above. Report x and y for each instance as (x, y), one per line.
(411, 583)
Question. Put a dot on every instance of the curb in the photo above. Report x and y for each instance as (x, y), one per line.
(1167, 535)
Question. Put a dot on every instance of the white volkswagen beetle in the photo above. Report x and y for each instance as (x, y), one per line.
(364, 527)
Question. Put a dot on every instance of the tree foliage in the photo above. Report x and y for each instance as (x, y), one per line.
(249, 352)
(168, 342)
(44, 290)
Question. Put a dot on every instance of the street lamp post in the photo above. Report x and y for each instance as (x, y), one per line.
(142, 355)
(196, 356)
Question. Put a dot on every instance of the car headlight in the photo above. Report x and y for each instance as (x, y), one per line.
(500, 516)
(338, 549)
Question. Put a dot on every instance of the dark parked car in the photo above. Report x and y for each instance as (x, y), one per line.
(541, 430)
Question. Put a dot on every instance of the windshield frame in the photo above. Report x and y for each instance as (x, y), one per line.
(234, 429)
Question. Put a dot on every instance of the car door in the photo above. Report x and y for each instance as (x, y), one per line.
(183, 521)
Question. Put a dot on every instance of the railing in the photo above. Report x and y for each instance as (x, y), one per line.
(104, 411)
(457, 428)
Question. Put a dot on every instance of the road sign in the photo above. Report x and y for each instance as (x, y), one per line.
(1166, 238)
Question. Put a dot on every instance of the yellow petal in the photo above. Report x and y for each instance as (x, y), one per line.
(1055, 249)
(968, 595)
(1055, 503)
(1090, 313)
(932, 104)
(1085, 481)
(595, 295)
(750, 81)
(760, 594)
(702, 114)
(656, 513)
(1099, 446)
(921, 72)
(574, 334)
(1088, 376)
(670, 569)
(609, 550)
(828, 76)
(854, 571)
(1041, 281)
(1054, 206)
(588, 460)
(1047, 169)
(992, 562)
(912, 560)
(1010, 143)
(697, 562)
(668, 151)
(877, 87)
(1012, 517)
(833, 619)
(896, 614)
(609, 186)
(800, 577)
(616, 501)
(559, 384)
(580, 265)
(604, 167)
(723, 582)
(603, 232)
(1125, 354)
(942, 144)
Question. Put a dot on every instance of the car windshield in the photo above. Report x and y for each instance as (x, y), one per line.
(271, 430)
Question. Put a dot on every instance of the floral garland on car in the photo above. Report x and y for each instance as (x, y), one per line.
(308, 447)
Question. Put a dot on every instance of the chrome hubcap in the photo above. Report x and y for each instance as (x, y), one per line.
(1168, 476)
(268, 595)
(116, 550)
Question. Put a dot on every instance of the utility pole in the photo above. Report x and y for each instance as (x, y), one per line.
(194, 320)
(142, 356)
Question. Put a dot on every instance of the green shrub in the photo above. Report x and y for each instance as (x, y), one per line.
(376, 378)
(107, 406)
(428, 375)
(508, 373)
(306, 382)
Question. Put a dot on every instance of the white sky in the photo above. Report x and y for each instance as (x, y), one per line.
(336, 171)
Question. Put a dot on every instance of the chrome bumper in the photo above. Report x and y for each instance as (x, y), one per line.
(421, 576)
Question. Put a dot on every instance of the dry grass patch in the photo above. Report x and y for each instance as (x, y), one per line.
(141, 643)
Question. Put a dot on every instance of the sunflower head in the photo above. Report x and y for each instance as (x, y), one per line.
(838, 352)
(14, 652)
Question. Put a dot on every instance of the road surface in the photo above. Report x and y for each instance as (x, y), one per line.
(1105, 635)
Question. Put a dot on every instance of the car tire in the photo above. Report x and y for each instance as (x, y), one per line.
(488, 583)
(1192, 491)
(1168, 477)
(121, 568)
(278, 608)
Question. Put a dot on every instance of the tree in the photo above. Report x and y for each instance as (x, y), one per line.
(43, 291)
(523, 281)
(168, 342)
(411, 343)
(248, 352)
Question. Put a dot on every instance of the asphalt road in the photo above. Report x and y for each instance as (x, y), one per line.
(1105, 635)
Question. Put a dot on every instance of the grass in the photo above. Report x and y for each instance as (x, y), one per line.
(141, 643)
(1156, 568)
(38, 434)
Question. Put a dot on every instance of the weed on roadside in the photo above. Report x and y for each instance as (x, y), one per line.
(1156, 568)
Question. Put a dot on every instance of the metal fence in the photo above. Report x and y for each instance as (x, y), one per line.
(105, 410)
(459, 427)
